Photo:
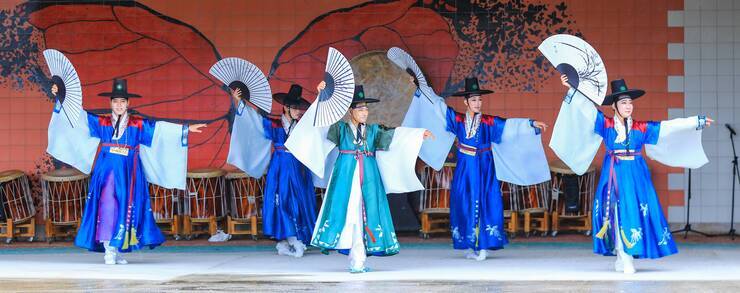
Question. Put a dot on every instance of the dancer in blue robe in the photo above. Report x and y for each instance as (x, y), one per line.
(289, 201)
(133, 151)
(627, 216)
(489, 148)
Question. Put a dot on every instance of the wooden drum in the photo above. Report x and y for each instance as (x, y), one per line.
(64, 194)
(165, 202)
(245, 196)
(167, 208)
(531, 202)
(565, 183)
(434, 203)
(205, 199)
(17, 205)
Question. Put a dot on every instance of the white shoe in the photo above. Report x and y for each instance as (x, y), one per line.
(220, 236)
(297, 247)
(471, 254)
(629, 268)
(110, 253)
(110, 258)
(482, 255)
(120, 260)
(359, 270)
(283, 248)
(619, 265)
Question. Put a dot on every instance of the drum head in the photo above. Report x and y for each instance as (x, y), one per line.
(206, 173)
(236, 174)
(387, 82)
(559, 167)
(63, 175)
(10, 175)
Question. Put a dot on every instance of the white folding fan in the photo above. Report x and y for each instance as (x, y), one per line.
(336, 97)
(64, 75)
(579, 61)
(399, 57)
(239, 73)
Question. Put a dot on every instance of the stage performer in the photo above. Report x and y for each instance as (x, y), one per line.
(289, 201)
(369, 162)
(627, 217)
(133, 152)
(489, 149)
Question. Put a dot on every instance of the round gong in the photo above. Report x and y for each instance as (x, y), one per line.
(385, 81)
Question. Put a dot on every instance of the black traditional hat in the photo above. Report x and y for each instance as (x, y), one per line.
(472, 88)
(120, 90)
(360, 97)
(293, 98)
(621, 91)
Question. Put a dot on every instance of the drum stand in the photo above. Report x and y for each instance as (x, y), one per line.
(687, 228)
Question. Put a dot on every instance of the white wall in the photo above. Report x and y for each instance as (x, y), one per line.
(711, 86)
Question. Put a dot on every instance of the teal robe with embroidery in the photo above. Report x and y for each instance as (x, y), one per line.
(379, 234)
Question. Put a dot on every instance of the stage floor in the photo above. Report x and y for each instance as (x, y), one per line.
(424, 266)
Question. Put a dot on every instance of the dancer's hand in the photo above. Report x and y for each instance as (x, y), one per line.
(542, 126)
(428, 135)
(709, 122)
(321, 86)
(196, 128)
(564, 81)
(54, 89)
(236, 94)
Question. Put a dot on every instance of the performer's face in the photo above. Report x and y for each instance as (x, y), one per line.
(624, 107)
(359, 114)
(119, 105)
(294, 113)
(474, 103)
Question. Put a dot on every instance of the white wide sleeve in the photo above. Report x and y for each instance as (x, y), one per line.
(73, 146)
(323, 181)
(398, 164)
(431, 116)
(309, 145)
(679, 143)
(165, 163)
(520, 157)
(573, 139)
(249, 148)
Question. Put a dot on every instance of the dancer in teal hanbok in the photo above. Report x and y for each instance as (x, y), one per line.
(371, 161)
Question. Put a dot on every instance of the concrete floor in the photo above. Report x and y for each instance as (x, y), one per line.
(429, 267)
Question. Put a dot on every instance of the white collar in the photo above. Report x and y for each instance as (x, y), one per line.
(122, 127)
(363, 127)
(471, 124)
(287, 125)
(621, 130)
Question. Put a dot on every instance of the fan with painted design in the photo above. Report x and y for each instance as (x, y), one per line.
(334, 100)
(577, 60)
(241, 74)
(399, 57)
(64, 76)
